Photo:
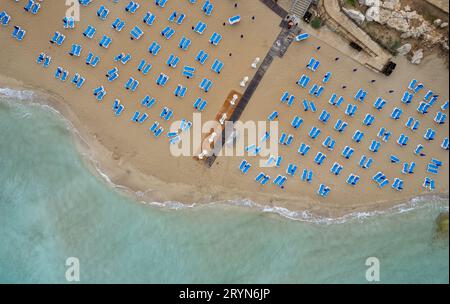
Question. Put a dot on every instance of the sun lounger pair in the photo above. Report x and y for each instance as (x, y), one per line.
(92, 60)
(351, 110)
(335, 101)
(445, 105)
(309, 106)
(319, 159)
(286, 139)
(78, 80)
(287, 98)
(324, 116)
(188, 71)
(69, 22)
(44, 59)
(408, 168)
(384, 134)
(414, 86)
(180, 91)
(160, 3)
(296, 122)
(136, 33)
(154, 48)
(215, 38)
(102, 13)
(184, 43)
(244, 166)
(58, 38)
(365, 162)
(167, 32)
(397, 184)
(340, 126)
(217, 66)
(4, 18)
(444, 144)
(139, 118)
(162, 80)
(76, 50)
(176, 17)
(206, 85)
(347, 152)
(303, 81)
(201, 57)
(132, 7)
(336, 169)
(200, 27)
(149, 18)
(407, 97)
(132, 84)
(156, 129)
(375, 146)
(253, 149)
(396, 113)
(402, 140)
(166, 114)
(353, 179)
(118, 24)
(89, 32)
(358, 136)
(329, 143)
(280, 180)
(61, 74)
(423, 107)
(262, 178)
(208, 7)
(429, 183)
(148, 101)
(360, 95)
(144, 67)
(379, 103)
(323, 190)
(440, 118)
(368, 120)
(313, 64)
(304, 149)
(105, 41)
(291, 169)
(85, 2)
(118, 108)
(412, 123)
(99, 93)
(18, 33)
(430, 134)
(112, 74)
(314, 132)
(307, 175)
(418, 150)
(32, 7)
(380, 179)
(173, 61)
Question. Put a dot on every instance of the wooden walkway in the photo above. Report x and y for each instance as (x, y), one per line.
(279, 48)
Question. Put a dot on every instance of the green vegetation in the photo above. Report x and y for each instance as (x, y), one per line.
(316, 23)
(351, 2)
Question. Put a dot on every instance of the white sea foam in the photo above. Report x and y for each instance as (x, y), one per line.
(426, 201)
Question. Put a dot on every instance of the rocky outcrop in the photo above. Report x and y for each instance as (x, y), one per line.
(404, 49)
(442, 225)
(417, 56)
(355, 15)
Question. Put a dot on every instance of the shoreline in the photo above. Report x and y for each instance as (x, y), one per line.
(90, 150)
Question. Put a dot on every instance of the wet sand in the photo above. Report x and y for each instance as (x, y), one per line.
(127, 153)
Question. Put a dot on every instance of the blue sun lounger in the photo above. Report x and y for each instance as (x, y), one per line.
(208, 7)
(200, 104)
(353, 179)
(118, 24)
(160, 3)
(180, 91)
(172, 61)
(303, 149)
(336, 169)
(149, 18)
(402, 140)
(99, 93)
(307, 175)
(162, 79)
(244, 166)
(360, 95)
(301, 37)
(92, 60)
(136, 33)
(429, 134)
(351, 110)
(440, 118)
(319, 159)
(398, 184)
(4, 18)
(357, 136)
(273, 116)
(144, 67)
(167, 32)
(296, 122)
(375, 146)
(365, 162)
(407, 97)
(324, 116)
(234, 20)
(188, 71)
(303, 81)
(69, 22)
(429, 183)
(347, 152)
(396, 114)
(335, 101)
(445, 144)
(314, 132)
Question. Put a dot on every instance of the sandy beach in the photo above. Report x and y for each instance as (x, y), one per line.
(131, 157)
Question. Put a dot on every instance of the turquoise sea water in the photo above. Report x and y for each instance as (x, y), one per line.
(52, 207)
